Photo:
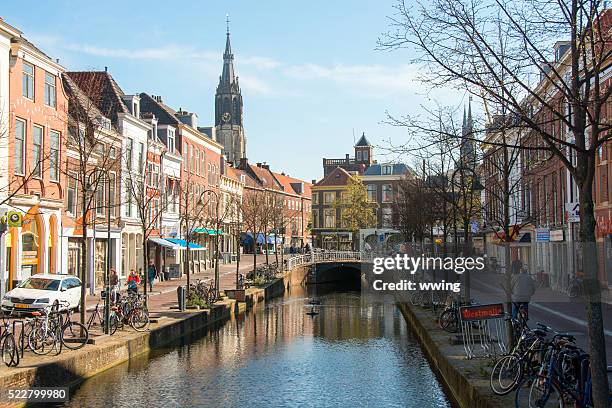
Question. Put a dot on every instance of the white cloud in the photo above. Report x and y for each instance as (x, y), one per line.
(263, 63)
(376, 80)
(254, 85)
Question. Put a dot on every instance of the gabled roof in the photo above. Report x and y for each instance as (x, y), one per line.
(336, 177)
(103, 90)
(291, 184)
(376, 169)
(165, 115)
(79, 103)
(363, 141)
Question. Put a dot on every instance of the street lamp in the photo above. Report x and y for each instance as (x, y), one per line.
(216, 255)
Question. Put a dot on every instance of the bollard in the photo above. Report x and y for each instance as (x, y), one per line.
(180, 292)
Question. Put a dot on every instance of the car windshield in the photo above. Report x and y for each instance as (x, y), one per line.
(40, 283)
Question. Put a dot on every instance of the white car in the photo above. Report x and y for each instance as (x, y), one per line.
(42, 290)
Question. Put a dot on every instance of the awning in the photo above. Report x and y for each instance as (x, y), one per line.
(166, 243)
(183, 244)
(209, 231)
(248, 238)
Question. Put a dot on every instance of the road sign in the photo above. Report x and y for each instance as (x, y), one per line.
(572, 211)
(381, 237)
(14, 219)
(474, 226)
(482, 312)
(542, 235)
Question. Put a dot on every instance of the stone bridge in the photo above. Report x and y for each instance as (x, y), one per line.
(332, 266)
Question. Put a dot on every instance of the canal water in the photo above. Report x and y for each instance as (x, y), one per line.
(356, 352)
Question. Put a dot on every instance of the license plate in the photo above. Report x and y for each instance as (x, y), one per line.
(21, 306)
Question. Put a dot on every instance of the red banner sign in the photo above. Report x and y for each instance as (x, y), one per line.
(481, 312)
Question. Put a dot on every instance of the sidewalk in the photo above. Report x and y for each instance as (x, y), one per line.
(552, 308)
(164, 293)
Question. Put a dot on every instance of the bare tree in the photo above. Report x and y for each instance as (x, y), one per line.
(251, 209)
(558, 93)
(94, 151)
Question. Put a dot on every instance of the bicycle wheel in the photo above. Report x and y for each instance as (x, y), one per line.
(113, 322)
(10, 353)
(449, 321)
(139, 319)
(41, 341)
(538, 394)
(74, 335)
(507, 373)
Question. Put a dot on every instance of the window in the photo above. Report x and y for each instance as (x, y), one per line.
(50, 95)
(54, 137)
(365, 155)
(242, 178)
(186, 158)
(27, 83)
(197, 161)
(315, 198)
(141, 152)
(359, 155)
(112, 152)
(129, 200)
(20, 136)
(372, 192)
(329, 215)
(387, 217)
(129, 147)
(191, 154)
(111, 192)
(387, 193)
(37, 148)
(100, 188)
(387, 169)
(329, 198)
(170, 141)
(71, 194)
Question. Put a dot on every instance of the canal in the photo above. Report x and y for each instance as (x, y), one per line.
(357, 351)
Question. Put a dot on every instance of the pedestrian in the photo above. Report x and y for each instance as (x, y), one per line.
(114, 285)
(516, 266)
(523, 288)
(151, 274)
(132, 282)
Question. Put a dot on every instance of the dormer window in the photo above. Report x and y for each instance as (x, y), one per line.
(387, 169)
(242, 178)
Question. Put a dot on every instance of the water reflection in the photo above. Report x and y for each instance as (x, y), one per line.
(356, 352)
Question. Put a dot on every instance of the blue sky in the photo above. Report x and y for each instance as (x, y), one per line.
(309, 71)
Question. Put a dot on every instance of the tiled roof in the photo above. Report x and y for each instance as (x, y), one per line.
(102, 90)
(165, 114)
(79, 102)
(289, 184)
(265, 177)
(337, 177)
(376, 169)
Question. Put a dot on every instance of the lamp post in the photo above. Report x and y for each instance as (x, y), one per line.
(216, 224)
(108, 260)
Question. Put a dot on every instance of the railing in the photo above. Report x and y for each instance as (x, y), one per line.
(327, 256)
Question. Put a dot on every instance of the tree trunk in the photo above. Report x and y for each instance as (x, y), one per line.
(591, 286)
(145, 268)
(237, 259)
(84, 263)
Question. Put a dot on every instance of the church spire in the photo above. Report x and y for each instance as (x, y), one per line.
(228, 75)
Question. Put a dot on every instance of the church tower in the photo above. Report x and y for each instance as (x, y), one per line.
(228, 109)
(467, 151)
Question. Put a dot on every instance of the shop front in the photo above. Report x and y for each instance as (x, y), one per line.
(33, 247)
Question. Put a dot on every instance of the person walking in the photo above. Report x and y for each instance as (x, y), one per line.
(114, 285)
(132, 282)
(523, 288)
(151, 274)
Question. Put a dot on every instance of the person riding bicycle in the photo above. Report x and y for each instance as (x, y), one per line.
(132, 282)
(523, 288)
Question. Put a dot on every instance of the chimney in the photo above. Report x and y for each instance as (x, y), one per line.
(222, 165)
(265, 166)
(347, 158)
(314, 182)
(258, 164)
(105, 69)
(243, 162)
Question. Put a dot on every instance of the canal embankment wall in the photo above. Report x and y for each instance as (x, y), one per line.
(70, 368)
(466, 381)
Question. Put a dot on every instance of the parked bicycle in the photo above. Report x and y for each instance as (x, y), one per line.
(8, 344)
(53, 330)
(129, 311)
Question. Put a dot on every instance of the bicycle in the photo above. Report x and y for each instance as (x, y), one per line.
(132, 311)
(8, 344)
(95, 318)
(509, 371)
(51, 330)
